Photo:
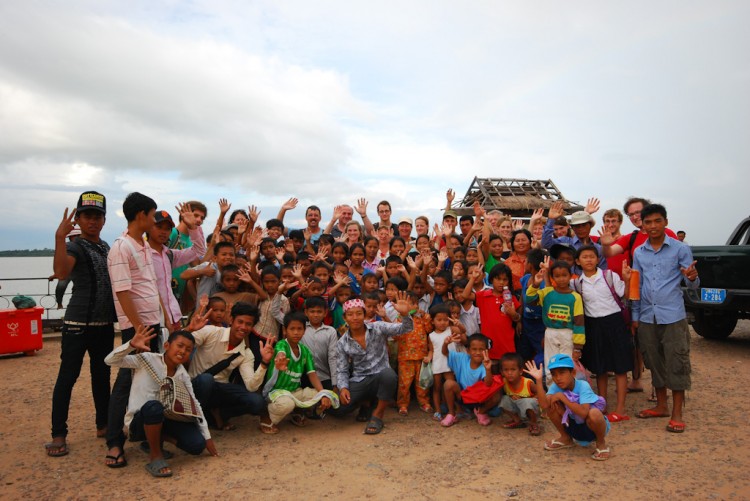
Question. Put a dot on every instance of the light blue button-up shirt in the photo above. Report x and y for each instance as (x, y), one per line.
(661, 278)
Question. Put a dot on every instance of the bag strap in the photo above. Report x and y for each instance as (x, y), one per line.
(610, 281)
(578, 284)
(633, 236)
(221, 364)
(149, 368)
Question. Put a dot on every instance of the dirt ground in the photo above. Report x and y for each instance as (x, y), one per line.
(414, 458)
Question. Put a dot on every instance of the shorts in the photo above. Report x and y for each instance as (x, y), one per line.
(520, 406)
(581, 433)
(666, 352)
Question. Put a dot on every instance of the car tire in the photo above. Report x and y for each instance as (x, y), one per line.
(714, 326)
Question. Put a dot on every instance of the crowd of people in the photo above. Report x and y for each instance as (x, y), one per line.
(478, 317)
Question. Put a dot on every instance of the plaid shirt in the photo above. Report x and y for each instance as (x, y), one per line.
(373, 359)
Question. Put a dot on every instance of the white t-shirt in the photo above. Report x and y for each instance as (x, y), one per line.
(440, 361)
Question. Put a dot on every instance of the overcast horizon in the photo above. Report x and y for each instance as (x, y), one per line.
(331, 101)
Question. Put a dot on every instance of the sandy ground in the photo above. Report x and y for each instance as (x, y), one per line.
(414, 458)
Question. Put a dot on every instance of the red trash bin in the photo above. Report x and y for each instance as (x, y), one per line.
(21, 330)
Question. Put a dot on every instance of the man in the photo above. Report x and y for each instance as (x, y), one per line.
(88, 323)
(659, 317)
(180, 239)
(131, 271)
(165, 259)
(384, 213)
(342, 214)
(312, 216)
(466, 223)
(582, 223)
(226, 346)
(681, 236)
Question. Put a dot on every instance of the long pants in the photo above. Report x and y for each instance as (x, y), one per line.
(283, 406)
(118, 400)
(188, 435)
(231, 399)
(556, 341)
(381, 386)
(98, 341)
(408, 373)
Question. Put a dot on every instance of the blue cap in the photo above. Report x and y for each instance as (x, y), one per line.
(561, 361)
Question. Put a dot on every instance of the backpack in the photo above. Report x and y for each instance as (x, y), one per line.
(610, 281)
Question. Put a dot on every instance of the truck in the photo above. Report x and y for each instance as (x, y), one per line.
(724, 294)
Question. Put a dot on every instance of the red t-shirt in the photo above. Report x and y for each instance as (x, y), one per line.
(496, 325)
(624, 241)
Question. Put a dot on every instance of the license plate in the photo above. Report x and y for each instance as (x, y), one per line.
(713, 295)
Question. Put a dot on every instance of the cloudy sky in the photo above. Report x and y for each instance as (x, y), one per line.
(330, 100)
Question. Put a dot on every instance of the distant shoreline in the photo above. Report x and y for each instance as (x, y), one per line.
(28, 253)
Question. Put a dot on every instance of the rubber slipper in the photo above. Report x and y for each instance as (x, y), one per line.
(449, 420)
(676, 426)
(117, 463)
(601, 454)
(482, 419)
(56, 450)
(437, 417)
(534, 429)
(426, 408)
(616, 418)
(269, 428)
(374, 426)
(556, 445)
(514, 425)
(650, 413)
(403, 411)
(155, 467)
(298, 420)
(635, 390)
(164, 452)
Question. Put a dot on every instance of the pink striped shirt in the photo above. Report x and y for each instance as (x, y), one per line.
(134, 272)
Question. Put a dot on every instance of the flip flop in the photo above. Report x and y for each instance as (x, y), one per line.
(61, 449)
(556, 445)
(155, 467)
(374, 426)
(298, 420)
(514, 425)
(675, 426)
(635, 390)
(164, 452)
(403, 411)
(616, 418)
(269, 428)
(650, 413)
(601, 454)
(117, 463)
(364, 414)
(534, 429)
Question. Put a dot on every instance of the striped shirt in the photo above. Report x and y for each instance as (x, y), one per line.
(132, 269)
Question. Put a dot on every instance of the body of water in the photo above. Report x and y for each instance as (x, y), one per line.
(33, 272)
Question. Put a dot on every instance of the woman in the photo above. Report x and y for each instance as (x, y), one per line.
(422, 225)
(353, 233)
(520, 243)
(505, 230)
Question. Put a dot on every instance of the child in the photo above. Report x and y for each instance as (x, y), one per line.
(532, 326)
(145, 413)
(282, 388)
(562, 311)
(341, 295)
(468, 314)
(608, 342)
(372, 303)
(572, 406)
(470, 369)
(441, 372)
(218, 308)
(369, 282)
(496, 314)
(321, 341)
(392, 288)
(412, 351)
(209, 273)
(231, 278)
(518, 401)
(439, 291)
(272, 309)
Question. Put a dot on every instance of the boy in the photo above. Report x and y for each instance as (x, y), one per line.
(469, 369)
(372, 302)
(562, 311)
(321, 340)
(532, 325)
(209, 273)
(469, 314)
(231, 278)
(219, 351)
(282, 389)
(659, 317)
(518, 402)
(392, 287)
(273, 308)
(180, 239)
(572, 406)
(88, 323)
(131, 271)
(145, 413)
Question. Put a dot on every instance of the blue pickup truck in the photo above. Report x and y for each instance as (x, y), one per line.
(724, 294)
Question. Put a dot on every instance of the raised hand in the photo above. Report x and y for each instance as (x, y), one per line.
(280, 253)
(281, 362)
(543, 267)
(253, 213)
(140, 341)
(241, 226)
(436, 230)
(203, 302)
(297, 272)
(537, 214)
(605, 237)
(290, 204)
(478, 209)
(556, 210)
(321, 256)
(691, 273)
(442, 256)
(627, 272)
(342, 278)
(306, 234)
(66, 225)
(534, 371)
(199, 319)
(224, 206)
(361, 207)
(337, 211)
(517, 224)
(486, 361)
(285, 286)
(402, 305)
(186, 213)
(410, 261)
(253, 253)
(450, 195)
(244, 276)
(381, 311)
(592, 205)
(476, 275)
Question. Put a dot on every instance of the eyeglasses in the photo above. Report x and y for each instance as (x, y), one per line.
(633, 214)
(384, 211)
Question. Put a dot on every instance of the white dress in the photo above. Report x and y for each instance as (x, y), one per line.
(440, 361)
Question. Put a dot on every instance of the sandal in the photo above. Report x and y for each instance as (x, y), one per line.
(651, 413)
(437, 417)
(482, 419)
(374, 426)
(675, 426)
(601, 454)
(534, 429)
(364, 414)
(556, 445)
(117, 463)
(56, 450)
(269, 428)
(403, 411)
(298, 420)
(513, 425)
(155, 467)
(147, 449)
(616, 418)
(449, 420)
(426, 408)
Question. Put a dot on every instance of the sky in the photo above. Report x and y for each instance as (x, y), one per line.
(330, 101)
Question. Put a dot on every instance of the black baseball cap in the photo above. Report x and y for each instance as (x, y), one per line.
(161, 216)
(92, 200)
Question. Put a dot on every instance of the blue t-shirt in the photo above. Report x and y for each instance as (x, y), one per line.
(460, 364)
(585, 394)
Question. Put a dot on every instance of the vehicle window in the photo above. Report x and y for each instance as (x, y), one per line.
(742, 237)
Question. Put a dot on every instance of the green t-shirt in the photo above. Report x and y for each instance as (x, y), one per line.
(559, 310)
(490, 263)
(179, 240)
(289, 379)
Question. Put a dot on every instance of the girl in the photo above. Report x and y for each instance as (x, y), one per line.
(339, 253)
(371, 261)
(608, 343)
(384, 240)
(356, 260)
(397, 247)
(497, 315)
(441, 323)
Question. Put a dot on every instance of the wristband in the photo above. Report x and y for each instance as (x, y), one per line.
(263, 364)
(412, 312)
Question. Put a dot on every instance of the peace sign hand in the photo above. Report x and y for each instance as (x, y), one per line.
(66, 225)
(486, 361)
(266, 350)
